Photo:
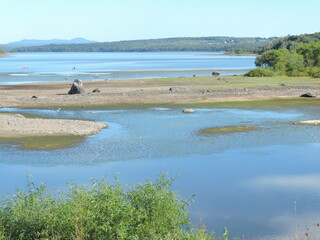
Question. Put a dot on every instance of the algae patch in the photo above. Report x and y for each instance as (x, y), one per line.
(227, 130)
(44, 142)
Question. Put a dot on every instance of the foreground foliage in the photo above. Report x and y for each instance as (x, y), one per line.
(104, 211)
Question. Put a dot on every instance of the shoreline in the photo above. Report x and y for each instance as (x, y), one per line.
(161, 91)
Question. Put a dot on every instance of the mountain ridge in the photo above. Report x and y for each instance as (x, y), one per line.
(38, 42)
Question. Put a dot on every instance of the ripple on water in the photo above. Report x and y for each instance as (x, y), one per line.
(154, 133)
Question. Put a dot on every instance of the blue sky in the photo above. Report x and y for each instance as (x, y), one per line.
(113, 20)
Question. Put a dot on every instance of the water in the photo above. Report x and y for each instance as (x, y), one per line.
(45, 67)
(247, 182)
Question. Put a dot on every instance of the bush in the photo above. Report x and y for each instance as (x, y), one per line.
(104, 211)
(260, 72)
(314, 72)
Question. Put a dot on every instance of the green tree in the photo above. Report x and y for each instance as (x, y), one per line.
(310, 53)
(282, 61)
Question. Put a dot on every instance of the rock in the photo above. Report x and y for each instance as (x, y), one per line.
(206, 91)
(97, 90)
(215, 74)
(194, 75)
(77, 87)
(308, 95)
(188, 110)
(95, 76)
(178, 89)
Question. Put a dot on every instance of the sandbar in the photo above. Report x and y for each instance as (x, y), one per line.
(17, 125)
(182, 90)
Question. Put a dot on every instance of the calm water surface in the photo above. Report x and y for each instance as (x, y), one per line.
(249, 182)
(44, 67)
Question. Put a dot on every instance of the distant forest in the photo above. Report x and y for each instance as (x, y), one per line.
(206, 44)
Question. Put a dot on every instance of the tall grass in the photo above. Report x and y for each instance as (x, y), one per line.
(102, 211)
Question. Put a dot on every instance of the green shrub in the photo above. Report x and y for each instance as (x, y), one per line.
(103, 211)
(260, 72)
(315, 72)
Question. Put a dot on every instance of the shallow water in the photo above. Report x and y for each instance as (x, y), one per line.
(45, 67)
(248, 182)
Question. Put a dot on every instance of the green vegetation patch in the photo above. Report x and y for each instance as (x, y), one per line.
(256, 104)
(150, 210)
(44, 142)
(260, 72)
(227, 129)
(247, 104)
(26, 115)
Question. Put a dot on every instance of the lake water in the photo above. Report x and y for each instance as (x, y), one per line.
(44, 67)
(262, 183)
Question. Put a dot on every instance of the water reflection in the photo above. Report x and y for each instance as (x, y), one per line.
(247, 182)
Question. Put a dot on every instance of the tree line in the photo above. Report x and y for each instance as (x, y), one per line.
(206, 44)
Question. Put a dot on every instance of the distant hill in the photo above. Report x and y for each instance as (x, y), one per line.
(206, 44)
(291, 42)
(35, 42)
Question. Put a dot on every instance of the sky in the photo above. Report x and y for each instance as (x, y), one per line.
(115, 20)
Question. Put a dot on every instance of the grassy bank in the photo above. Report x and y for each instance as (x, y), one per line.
(263, 103)
(104, 211)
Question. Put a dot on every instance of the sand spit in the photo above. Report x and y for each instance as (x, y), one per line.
(16, 125)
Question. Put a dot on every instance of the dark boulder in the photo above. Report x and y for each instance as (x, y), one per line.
(215, 74)
(307, 95)
(77, 87)
(97, 90)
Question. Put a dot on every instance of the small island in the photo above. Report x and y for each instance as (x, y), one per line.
(227, 130)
